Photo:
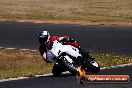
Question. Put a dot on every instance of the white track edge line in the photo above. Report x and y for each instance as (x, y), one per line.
(18, 49)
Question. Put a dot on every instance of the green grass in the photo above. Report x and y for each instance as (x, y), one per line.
(15, 63)
(68, 10)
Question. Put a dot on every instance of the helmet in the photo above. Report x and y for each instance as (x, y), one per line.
(43, 37)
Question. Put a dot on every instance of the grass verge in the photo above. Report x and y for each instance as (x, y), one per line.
(15, 63)
(71, 10)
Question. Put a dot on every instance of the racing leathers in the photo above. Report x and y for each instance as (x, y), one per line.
(57, 45)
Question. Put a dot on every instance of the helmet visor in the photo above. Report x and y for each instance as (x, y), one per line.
(43, 40)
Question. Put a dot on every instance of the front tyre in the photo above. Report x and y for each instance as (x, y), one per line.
(67, 65)
(95, 68)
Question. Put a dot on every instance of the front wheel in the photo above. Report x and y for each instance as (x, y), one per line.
(68, 65)
(95, 68)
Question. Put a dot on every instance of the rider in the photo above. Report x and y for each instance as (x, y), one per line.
(50, 44)
(52, 47)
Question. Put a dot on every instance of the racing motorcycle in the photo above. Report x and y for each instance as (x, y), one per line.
(65, 62)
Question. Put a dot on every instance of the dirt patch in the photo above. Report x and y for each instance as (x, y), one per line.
(71, 22)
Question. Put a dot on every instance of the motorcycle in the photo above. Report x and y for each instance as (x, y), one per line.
(65, 62)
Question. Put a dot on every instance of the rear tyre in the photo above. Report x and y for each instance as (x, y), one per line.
(56, 71)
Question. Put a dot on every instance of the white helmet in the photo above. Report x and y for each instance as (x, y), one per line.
(43, 37)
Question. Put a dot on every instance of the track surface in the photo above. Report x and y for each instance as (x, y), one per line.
(114, 39)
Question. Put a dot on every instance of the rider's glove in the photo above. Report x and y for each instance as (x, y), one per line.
(46, 60)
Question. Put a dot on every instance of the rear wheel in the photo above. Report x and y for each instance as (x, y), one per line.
(56, 70)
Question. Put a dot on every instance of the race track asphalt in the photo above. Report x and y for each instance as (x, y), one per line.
(113, 39)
